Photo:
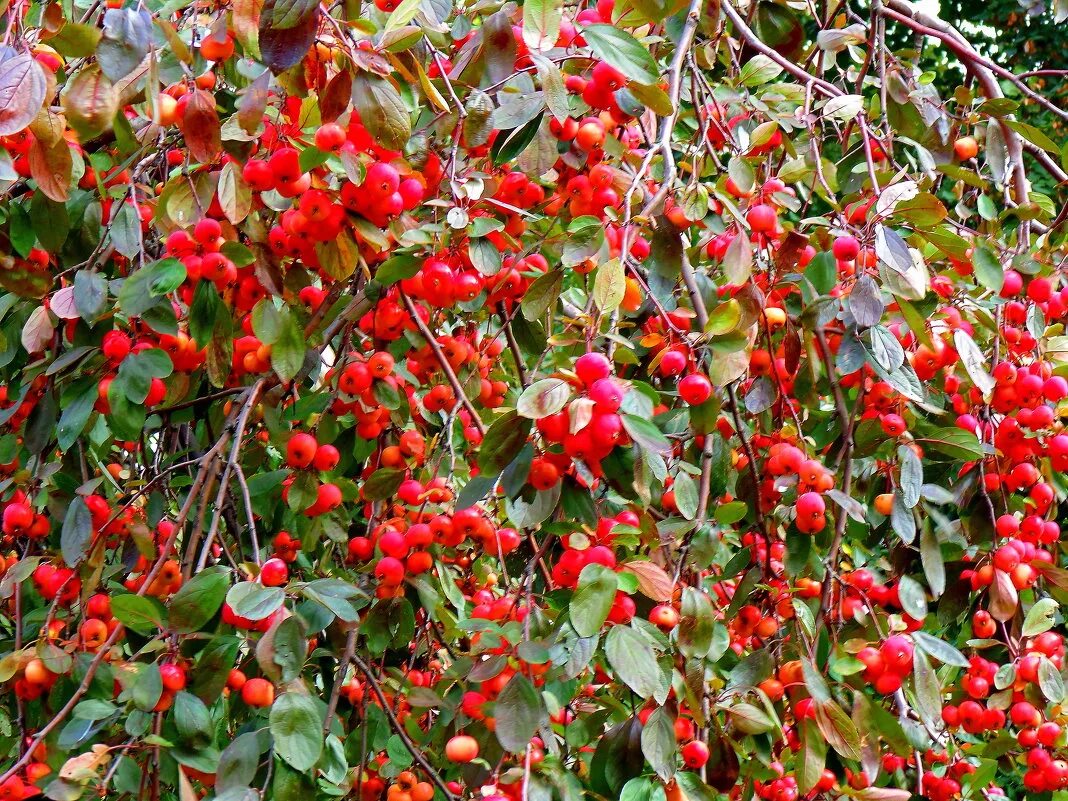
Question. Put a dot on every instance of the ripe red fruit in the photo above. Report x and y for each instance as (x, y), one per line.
(897, 650)
(672, 363)
(983, 625)
(665, 616)
(966, 148)
(591, 367)
(846, 248)
(893, 425)
(115, 346)
(695, 389)
(389, 571)
(461, 748)
(257, 692)
(695, 754)
(274, 573)
(762, 218)
(330, 137)
(300, 450)
(326, 458)
(607, 394)
(810, 508)
(1006, 558)
(173, 676)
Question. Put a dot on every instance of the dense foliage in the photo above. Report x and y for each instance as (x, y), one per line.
(646, 400)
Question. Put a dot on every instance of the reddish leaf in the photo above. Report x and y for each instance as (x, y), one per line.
(22, 92)
(284, 48)
(51, 166)
(90, 103)
(200, 126)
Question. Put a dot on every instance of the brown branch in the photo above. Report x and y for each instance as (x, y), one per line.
(342, 667)
(398, 727)
(904, 12)
(446, 368)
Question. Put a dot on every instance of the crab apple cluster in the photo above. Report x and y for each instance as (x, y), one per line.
(462, 351)
(18, 409)
(591, 427)
(255, 692)
(307, 456)
(812, 481)
(1034, 731)
(599, 550)
(407, 543)
(784, 786)
(201, 252)
(20, 520)
(886, 666)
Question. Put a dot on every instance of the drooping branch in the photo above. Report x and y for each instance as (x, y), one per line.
(907, 14)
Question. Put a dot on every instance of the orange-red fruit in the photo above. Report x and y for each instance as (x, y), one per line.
(461, 748)
(257, 692)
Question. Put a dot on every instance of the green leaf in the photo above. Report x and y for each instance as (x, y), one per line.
(381, 110)
(750, 719)
(142, 290)
(593, 599)
(254, 601)
(913, 598)
(659, 744)
(138, 369)
(646, 434)
(609, 285)
(928, 690)
(238, 763)
(940, 649)
(542, 294)
(198, 600)
(77, 531)
(136, 612)
(397, 268)
(686, 497)
(287, 352)
(1050, 681)
(519, 712)
(543, 398)
(192, 720)
(759, 70)
(75, 415)
(503, 441)
(297, 728)
(622, 51)
(958, 444)
(633, 660)
(812, 757)
(541, 23)
(839, 730)
(147, 686)
(585, 236)
(697, 623)
(988, 269)
(1040, 617)
(911, 477)
(931, 557)
(383, 483)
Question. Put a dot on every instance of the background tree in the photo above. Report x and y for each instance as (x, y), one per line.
(435, 400)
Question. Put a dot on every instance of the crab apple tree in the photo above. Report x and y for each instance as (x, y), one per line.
(426, 400)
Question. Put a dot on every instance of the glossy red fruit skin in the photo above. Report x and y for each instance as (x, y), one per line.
(695, 754)
(695, 389)
(846, 248)
(173, 676)
(762, 218)
(300, 450)
(274, 573)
